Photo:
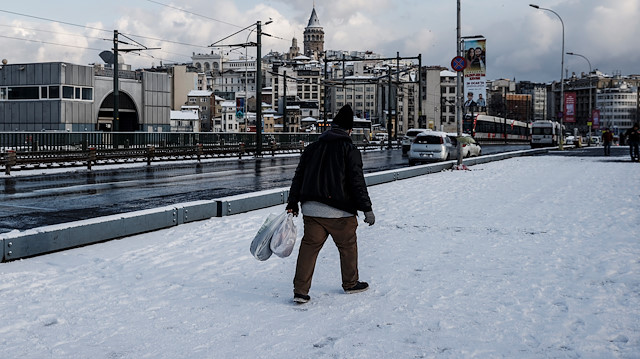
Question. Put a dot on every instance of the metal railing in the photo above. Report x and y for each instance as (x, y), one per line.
(72, 149)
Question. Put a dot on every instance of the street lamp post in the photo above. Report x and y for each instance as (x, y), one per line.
(460, 104)
(590, 109)
(561, 140)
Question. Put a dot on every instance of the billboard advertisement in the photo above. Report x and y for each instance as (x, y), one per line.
(570, 106)
(240, 107)
(475, 83)
(596, 119)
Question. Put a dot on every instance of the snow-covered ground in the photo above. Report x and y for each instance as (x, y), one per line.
(534, 257)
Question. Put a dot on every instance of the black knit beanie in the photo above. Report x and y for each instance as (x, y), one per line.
(344, 118)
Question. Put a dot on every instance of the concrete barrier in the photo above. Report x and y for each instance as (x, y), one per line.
(17, 245)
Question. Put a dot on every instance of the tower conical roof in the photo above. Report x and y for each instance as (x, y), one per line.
(313, 20)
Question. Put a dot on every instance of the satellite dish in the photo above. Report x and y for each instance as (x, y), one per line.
(107, 57)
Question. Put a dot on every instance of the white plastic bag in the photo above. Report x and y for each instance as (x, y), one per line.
(284, 238)
(260, 246)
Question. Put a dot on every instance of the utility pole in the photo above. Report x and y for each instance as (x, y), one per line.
(420, 92)
(459, 103)
(389, 124)
(395, 103)
(116, 88)
(284, 99)
(324, 91)
(259, 90)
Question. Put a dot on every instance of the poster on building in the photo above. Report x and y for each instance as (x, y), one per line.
(570, 107)
(240, 107)
(475, 83)
(596, 119)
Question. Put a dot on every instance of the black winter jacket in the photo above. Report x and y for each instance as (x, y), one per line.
(330, 172)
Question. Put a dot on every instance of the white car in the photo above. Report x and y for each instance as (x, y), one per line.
(408, 138)
(431, 146)
(379, 138)
(470, 148)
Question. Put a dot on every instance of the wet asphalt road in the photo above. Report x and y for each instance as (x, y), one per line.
(34, 201)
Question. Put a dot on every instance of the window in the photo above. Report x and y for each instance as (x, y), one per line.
(78, 91)
(87, 93)
(67, 92)
(24, 93)
(54, 91)
(3, 93)
(44, 93)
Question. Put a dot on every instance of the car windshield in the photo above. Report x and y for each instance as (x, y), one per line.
(429, 140)
(542, 130)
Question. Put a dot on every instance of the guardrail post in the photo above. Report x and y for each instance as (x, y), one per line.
(199, 150)
(11, 161)
(150, 152)
(92, 157)
(241, 149)
(274, 146)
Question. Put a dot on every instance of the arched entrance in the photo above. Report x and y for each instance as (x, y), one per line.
(126, 111)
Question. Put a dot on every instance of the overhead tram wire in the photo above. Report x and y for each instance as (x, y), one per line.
(53, 32)
(195, 14)
(51, 43)
(50, 20)
(97, 29)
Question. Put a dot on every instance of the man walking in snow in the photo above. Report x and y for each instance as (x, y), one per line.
(329, 183)
(633, 139)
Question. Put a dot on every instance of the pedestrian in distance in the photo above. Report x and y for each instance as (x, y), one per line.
(633, 139)
(329, 183)
(607, 139)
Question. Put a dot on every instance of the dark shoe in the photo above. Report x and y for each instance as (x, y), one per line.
(359, 287)
(301, 298)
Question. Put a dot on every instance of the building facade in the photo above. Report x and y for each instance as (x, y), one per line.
(619, 107)
(59, 96)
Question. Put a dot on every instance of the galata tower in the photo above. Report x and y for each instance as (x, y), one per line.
(313, 37)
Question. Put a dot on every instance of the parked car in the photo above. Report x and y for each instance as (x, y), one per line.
(431, 146)
(470, 147)
(379, 138)
(408, 138)
(595, 140)
(570, 140)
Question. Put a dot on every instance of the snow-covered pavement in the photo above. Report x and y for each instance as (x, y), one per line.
(531, 257)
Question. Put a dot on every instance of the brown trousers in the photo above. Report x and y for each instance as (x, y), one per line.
(316, 231)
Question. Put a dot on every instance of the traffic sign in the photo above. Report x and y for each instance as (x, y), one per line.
(458, 63)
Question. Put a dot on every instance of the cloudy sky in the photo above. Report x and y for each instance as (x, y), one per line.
(522, 42)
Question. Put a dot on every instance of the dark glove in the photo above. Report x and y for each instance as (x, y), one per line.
(292, 207)
(370, 218)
